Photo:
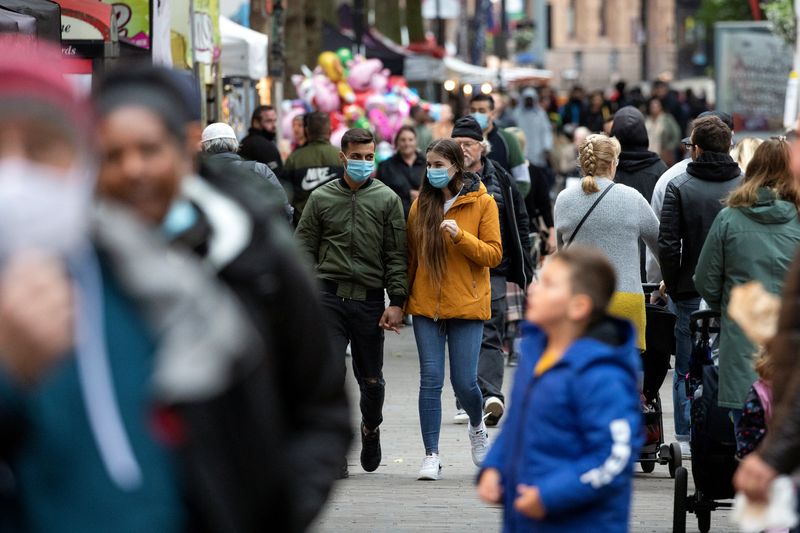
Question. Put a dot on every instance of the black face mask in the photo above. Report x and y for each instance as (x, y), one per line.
(528, 103)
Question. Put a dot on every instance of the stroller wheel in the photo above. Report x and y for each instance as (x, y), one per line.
(675, 458)
(703, 520)
(679, 502)
(647, 466)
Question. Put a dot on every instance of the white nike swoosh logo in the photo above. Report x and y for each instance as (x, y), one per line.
(315, 177)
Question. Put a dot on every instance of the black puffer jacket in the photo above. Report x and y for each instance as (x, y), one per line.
(402, 178)
(516, 266)
(638, 167)
(691, 203)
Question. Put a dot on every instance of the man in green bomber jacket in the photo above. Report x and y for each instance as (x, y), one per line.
(353, 230)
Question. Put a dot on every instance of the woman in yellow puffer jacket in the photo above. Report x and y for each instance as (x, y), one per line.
(453, 241)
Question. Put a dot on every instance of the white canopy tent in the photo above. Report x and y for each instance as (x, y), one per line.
(476, 75)
(244, 51)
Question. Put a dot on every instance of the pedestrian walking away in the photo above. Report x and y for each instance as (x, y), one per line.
(516, 265)
(353, 232)
(454, 239)
(755, 238)
(259, 144)
(691, 203)
(612, 217)
(564, 458)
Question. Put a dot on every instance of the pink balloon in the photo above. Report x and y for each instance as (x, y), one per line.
(336, 136)
(362, 72)
(326, 96)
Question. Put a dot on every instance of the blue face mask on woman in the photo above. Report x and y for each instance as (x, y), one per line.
(439, 177)
(359, 170)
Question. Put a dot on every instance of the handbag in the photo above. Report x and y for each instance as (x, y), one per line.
(589, 212)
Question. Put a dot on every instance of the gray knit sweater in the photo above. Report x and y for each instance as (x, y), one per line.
(621, 218)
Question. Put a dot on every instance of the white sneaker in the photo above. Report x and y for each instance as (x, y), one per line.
(461, 417)
(479, 440)
(431, 468)
(686, 450)
(493, 410)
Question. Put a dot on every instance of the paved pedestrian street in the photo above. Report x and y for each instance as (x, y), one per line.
(391, 498)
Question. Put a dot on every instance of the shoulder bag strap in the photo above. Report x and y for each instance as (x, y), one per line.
(589, 212)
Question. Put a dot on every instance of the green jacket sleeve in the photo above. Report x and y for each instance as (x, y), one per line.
(709, 278)
(516, 160)
(395, 257)
(308, 233)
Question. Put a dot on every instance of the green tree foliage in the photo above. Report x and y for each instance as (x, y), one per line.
(781, 14)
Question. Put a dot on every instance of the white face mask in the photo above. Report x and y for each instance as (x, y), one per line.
(42, 208)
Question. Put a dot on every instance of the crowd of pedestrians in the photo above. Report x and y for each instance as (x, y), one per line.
(174, 339)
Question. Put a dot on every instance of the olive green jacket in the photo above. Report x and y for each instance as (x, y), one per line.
(356, 239)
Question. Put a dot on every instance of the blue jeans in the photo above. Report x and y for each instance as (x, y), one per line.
(683, 350)
(463, 339)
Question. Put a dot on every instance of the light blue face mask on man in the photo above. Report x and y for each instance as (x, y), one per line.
(439, 177)
(359, 170)
(482, 119)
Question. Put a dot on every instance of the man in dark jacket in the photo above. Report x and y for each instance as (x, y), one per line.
(515, 267)
(691, 204)
(353, 232)
(638, 167)
(219, 141)
(314, 164)
(259, 145)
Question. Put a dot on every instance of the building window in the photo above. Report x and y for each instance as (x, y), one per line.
(571, 10)
(603, 18)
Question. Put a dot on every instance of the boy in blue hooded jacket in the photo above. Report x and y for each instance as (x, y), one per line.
(564, 459)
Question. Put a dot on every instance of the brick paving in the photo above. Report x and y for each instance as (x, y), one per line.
(392, 500)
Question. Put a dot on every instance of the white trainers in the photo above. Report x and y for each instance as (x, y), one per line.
(431, 468)
(461, 417)
(686, 450)
(493, 410)
(479, 440)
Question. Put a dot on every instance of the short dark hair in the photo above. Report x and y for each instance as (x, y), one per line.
(409, 129)
(591, 274)
(317, 125)
(480, 97)
(356, 136)
(260, 109)
(711, 134)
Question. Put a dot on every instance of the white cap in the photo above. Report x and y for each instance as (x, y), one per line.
(218, 130)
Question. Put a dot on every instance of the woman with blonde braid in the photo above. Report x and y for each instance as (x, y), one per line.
(612, 217)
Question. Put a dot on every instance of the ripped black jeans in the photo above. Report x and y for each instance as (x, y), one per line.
(356, 322)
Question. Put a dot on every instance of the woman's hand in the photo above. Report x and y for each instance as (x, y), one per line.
(450, 226)
(489, 488)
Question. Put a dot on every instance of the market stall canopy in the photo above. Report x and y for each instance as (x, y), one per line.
(46, 13)
(86, 20)
(11, 22)
(244, 51)
(377, 46)
(476, 75)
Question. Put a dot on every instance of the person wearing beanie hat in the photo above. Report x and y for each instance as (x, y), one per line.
(516, 265)
(220, 144)
(287, 393)
(96, 320)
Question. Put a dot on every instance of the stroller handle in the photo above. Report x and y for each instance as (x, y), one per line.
(650, 288)
(704, 317)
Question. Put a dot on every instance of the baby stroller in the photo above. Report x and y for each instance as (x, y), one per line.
(712, 440)
(660, 339)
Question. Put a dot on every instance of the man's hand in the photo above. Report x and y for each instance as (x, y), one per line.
(529, 503)
(392, 319)
(36, 316)
(552, 246)
(450, 226)
(490, 489)
(753, 478)
(662, 290)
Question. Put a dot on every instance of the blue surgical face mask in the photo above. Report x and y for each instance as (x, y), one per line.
(180, 217)
(359, 170)
(482, 119)
(439, 177)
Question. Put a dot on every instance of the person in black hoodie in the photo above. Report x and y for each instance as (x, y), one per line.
(638, 167)
(259, 145)
(691, 203)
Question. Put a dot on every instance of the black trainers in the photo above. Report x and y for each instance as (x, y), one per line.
(370, 448)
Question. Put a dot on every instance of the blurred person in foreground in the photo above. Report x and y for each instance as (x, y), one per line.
(219, 142)
(116, 353)
(564, 458)
(267, 452)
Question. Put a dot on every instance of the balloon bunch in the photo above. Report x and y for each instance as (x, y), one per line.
(355, 92)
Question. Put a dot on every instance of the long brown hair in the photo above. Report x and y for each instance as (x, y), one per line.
(770, 167)
(427, 231)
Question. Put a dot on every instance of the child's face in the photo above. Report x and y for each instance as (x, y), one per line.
(551, 300)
